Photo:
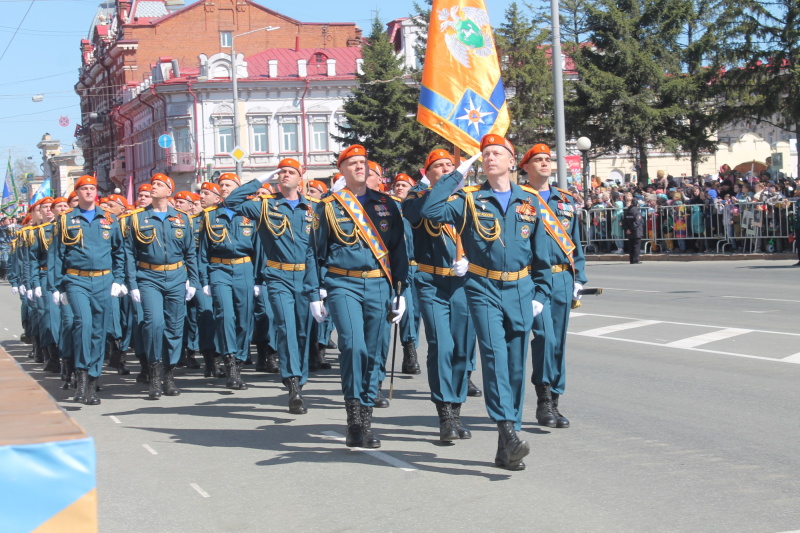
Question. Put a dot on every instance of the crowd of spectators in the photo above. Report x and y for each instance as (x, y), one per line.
(745, 212)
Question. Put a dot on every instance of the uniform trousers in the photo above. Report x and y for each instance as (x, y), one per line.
(90, 300)
(292, 319)
(163, 312)
(550, 335)
(232, 297)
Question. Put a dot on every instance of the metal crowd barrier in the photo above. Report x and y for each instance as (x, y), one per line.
(723, 227)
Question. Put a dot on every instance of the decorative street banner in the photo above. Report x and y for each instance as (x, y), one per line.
(462, 96)
(9, 203)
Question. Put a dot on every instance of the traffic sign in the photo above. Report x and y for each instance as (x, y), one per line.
(165, 141)
(79, 160)
(23, 190)
(238, 154)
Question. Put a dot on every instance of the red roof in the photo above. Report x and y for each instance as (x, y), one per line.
(258, 64)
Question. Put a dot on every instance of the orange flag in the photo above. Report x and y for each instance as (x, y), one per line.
(462, 96)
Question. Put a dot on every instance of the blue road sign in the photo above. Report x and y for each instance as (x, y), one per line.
(165, 141)
(23, 190)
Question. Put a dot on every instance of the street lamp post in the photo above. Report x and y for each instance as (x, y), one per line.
(584, 145)
(236, 90)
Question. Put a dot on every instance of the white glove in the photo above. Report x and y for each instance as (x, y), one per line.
(460, 267)
(318, 311)
(463, 169)
(22, 290)
(339, 185)
(268, 177)
(57, 298)
(116, 290)
(37, 292)
(190, 292)
(425, 181)
(323, 294)
(256, 291)
(398, 308)
(14, 291)
(207, 290)
(29, 294)
(64, 300)
(123, 290)
(538, 307)
(136, 296)
(576, 289)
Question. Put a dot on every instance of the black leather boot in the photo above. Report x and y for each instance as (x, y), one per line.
(170, 389)
(191, 360)
(261, 357)
(91, 392)
(323, 362)
(463, 432)
(52, 364)
(144, 373)
(272, 361)
(296, 405)
(410, 363)
(117, 360)
(447, 426)
(472, 389)
(510, 449)
(83, 385)
(67, 370)
(381, 402)
(220, 366)
(561, 420)
(544, 406)
(38, 354)
(249, 359)
(211, 366)
(370, 440)
(156, 375)
(313, 357)
(355, 437)
(239, 367)
(232, 370)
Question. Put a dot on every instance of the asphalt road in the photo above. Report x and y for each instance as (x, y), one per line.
(683, 393)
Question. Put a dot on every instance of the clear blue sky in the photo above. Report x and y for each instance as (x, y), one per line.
(44, 57)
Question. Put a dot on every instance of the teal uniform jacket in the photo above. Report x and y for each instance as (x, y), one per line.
(359, 306)
(507, 243)
(152, 244)
(48, 312)
(227, 236)
(285, 235)
(550, 327)
(84, 244)
(442, 301)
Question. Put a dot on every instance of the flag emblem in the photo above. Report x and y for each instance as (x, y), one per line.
(466, 31)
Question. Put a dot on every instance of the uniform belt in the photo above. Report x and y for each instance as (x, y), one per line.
(161, 268)
(234, 261)
(559, 268)
(377, 273)
(496, 275)
(412, 263)
(43, 269)
(87, 273)
(439, 271)
(292, 267)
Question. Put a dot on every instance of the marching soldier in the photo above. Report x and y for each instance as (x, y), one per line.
(287, 219)
(503, 238)
(162, 276)
(564, 252)
(443, 304)
(66, 341)
(86, 269)
(320, 333)
(120, 307)
(34, 316)
(361, 242)
(184, 201)
(227, 247)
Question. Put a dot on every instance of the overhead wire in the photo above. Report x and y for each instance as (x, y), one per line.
(16, 30)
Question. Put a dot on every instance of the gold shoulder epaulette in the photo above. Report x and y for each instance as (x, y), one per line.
(327, 199)
(565, 192)
(472, 188)
(265, 197)
(137, 210)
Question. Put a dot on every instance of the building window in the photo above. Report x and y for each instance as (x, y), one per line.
(319, 136)
(224, 140)
(183, 142)
(319, 57)
(260, 138)
(289, 137)
(225, 39)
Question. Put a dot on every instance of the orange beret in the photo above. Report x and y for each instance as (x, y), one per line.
(171, 201)
(26, 220)
(213, 187)
(292, 163)
(405, 177)
(336, 177)
(351, 151)
(375, 167)
(492, 139)
(60, 199)
(230, 176)
(85, 180)
(46, 200)
(437, 155)
(539, 148)
(184, 195)
(34, 204)
(104, 200)
(72, 195)
(145, 187)
(195, 196)
(318, 185)
(163, 178)
(118, 199)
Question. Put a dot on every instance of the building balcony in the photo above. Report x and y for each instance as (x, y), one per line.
(118, 169)
(181, 162)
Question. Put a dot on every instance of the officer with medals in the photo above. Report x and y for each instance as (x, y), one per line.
(507, 282)
(85, 269)
(565, 253)
(162, 276)
(227, 247)
(361, 242)
(442, 301)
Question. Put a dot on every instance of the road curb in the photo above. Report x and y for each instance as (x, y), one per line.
(624, 258)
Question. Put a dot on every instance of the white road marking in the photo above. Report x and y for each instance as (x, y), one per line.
(15, 336)
(115, 419)
(792, 358)
(617, 327)
(705, 338)
(149, 449)
(5, 329)
(762, 299)
(757, 312)
(684, 324)
(200, 491)
(386, 458)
